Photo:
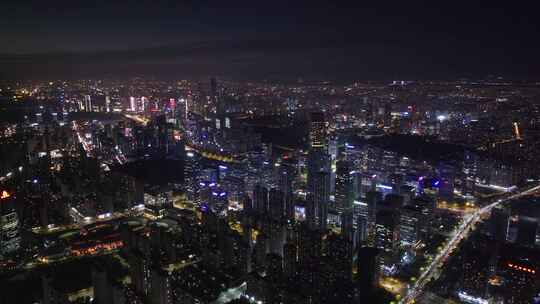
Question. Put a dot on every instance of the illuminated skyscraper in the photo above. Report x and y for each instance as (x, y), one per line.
(191, 169)
(132, 104)
(88, 103)
(386, 230)
(321, 197)
(318, 161)
(107, 103)
(446, 184)
(345, 179)
(144, 104)
(10, 239)
(409, 224)
(214, 95)
(317, 131)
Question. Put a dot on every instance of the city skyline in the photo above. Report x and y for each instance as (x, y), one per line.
(189, 152)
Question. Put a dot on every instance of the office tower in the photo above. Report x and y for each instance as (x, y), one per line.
(387, 114)
(386, 230)
(285, 176)
(235, 188)
(446, 174)
(192, 167)
(10, 239)
(247, 204)
(333, 149)
(214, 95)
(498, 224)
(88, 103)
(409, 225)
(260, 199)
(396, 182)
(527, 228)
(242, 256)
(107, 103)
(276, 204)
(49, 295)
(347, 226)
(368, 269)
(470, 172)
(289, 208)
(140, 273)
(340, 254)
(289, 259)
(318, 161)
(164, 135)
(105, 289)
(274, 277)
(144, 104)
(133, 104)
(218, 202)
(367, 182)
(309, 247)
(321, 198)
(361, 211)
(373, 199)
(275, 267)
(261, 250)
(310, 211)
(344, 196)
(393, 202)
(161, 292)
(317, 131)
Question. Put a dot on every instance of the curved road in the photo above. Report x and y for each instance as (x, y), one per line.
(461, 233)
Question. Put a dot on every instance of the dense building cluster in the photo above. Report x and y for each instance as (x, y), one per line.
(223, 192)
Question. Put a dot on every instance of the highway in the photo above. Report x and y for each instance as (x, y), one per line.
(462, 232)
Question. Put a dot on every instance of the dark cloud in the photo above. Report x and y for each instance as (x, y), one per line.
(267, 38)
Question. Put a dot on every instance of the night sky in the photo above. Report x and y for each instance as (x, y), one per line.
(269, 39)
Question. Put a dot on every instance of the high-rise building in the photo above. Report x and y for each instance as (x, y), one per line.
(106, 290)
(367, 269)
(340, 253)
(373, 199)
(276, 204)
(260, 199)
(409, 224)
(469, 172)
(318, 161)
(386, 233)
(161, 292)
(321, 198)
(345, 180)
(140, 273)
(133, 104)
(191, 169)
(317, 131)
(498, 224)
(285, 176)
(88, 103)
(289, 259)
(10, 239)
(214, 94)
(446, 181)
(361, 212)
(107, 103)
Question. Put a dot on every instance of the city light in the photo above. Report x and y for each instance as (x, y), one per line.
(5, 195)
